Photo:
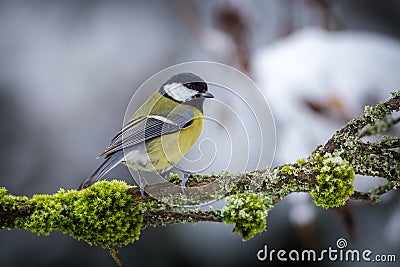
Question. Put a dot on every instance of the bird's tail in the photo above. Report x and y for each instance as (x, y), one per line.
(102, 170)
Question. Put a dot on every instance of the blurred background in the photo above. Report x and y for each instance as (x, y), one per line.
(69, 68)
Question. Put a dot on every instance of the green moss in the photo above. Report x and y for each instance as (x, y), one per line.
(301, 162)
(287, 169)
(334, 181)
(234, 188)
(10, 203)
(174, 178)
(102, 214)
(292, 183)
(248, 213)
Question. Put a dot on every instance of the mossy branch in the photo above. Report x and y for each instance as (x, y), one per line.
(113, 213)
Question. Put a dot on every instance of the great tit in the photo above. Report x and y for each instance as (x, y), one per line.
(161, 131)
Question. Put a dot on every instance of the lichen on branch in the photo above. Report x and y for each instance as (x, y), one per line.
(113, 213)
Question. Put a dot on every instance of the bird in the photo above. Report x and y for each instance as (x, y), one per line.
(160, 132)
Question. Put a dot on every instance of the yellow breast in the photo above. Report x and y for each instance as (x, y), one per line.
(169, 148)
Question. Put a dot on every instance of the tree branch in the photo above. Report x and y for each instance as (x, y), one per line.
(113, 213)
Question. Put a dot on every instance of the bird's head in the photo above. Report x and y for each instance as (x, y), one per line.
(185, 88)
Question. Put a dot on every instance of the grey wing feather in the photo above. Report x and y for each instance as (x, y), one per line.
(146, 128)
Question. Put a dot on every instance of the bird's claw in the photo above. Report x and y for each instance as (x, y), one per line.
(183, 183)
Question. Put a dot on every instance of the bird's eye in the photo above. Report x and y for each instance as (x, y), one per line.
(189, 85)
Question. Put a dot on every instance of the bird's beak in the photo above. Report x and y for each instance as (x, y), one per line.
(207, 95)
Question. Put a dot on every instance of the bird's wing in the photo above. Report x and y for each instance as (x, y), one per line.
(146, 128)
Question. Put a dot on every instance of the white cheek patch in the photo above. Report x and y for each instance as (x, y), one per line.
(179, 92)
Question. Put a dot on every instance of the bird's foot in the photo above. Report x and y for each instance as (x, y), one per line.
(184, 177)
(183, 183)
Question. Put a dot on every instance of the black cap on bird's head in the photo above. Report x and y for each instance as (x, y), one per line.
(185, 87)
